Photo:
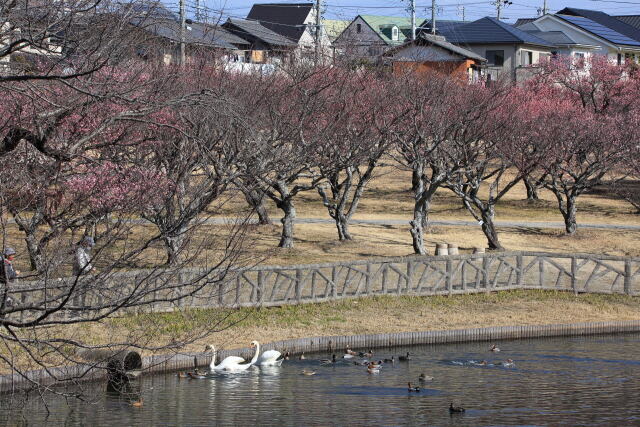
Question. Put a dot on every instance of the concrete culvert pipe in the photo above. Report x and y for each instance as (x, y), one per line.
(120, 364)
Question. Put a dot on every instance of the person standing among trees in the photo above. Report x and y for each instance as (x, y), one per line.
(7, 274)
(82, 261)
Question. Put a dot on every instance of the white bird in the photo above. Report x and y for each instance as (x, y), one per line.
(233, 363)
(270, 358)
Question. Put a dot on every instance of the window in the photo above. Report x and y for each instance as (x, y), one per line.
(358, 28)
(495, 58)
(394, 33)
(527, 58)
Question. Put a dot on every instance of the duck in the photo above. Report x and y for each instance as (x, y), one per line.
(301, 357)
(196, 375)
(373, 368)
(361, 362)
(494, 348)
(328, 361)
(181, 375)
(482, 363)
(392, 360)
(308, 373)
(348, 356)
(405, 358)
(413, 389)
(233, 363)
(138, 403)
(367, 355)
(456, 409)
(424, 378)
(349, 351)
(507, 363)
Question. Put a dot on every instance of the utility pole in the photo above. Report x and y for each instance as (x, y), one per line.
(413, 19)
(461, 12)
(498, 4)
(198, 11)
(545, 10)
(318, 30)
(183, 24)
(433, 17)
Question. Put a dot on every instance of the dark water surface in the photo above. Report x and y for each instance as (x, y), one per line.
(559, 381)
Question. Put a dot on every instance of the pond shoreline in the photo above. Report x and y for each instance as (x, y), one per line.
(175, 362)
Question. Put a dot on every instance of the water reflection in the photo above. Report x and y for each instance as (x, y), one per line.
(561, 381)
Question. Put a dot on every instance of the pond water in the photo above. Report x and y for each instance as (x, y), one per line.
(559, 381)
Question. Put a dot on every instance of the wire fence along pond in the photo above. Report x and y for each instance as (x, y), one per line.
(427, 275)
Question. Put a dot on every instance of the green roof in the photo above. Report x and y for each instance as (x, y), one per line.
(383, 25)
(334, 27)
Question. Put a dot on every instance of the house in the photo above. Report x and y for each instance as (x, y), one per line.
(262, 44)
(430, 53)
(510, 52)
(369, 36)
(564, 44)
(612, 37)
(201, 40)
(295, 21)
(26, 33)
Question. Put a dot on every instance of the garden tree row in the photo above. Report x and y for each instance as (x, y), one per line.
(564, 130)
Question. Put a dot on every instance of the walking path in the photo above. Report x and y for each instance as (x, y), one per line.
(452, 223)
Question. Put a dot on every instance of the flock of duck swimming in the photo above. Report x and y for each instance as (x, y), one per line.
(275, 358)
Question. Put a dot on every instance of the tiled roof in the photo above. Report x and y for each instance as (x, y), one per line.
(440, 42)
(488, 31)
(195, 33)
(633, 20)
(555, 37)
(255, 29)
(286, 19)
(604, 20)
(522, 21)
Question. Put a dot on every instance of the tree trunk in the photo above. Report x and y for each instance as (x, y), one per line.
(415, 180)
(35, 252)
(532, 189)
(342, 224)
(418, 225)
(174, 244)
(489, 229)
(569, 215)
(256, 201)
(286, 240)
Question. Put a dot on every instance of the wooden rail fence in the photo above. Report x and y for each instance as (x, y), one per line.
(414, 275)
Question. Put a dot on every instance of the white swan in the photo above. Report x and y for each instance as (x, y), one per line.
(233, 363)
(270, 358)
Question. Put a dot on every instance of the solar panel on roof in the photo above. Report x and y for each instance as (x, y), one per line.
(600, 30)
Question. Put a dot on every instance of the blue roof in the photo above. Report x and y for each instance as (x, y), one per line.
(488, 30)
(600, 30)
(624, 33)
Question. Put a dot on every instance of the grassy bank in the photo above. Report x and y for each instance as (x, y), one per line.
(396, 314)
